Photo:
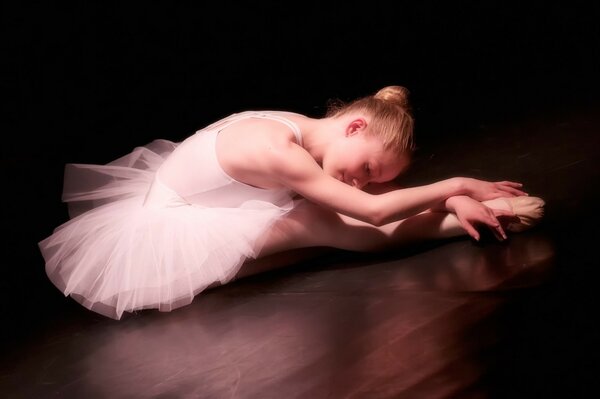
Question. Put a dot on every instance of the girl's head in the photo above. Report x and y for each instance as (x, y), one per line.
(378, 137)
(390, 117)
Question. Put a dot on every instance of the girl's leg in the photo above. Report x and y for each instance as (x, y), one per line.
(309, 229)
(312, 226)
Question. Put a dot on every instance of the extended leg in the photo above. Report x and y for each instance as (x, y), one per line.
(312, 226)
(309, 229)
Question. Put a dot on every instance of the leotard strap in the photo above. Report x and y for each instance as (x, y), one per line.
(289, 123)
(222, 124)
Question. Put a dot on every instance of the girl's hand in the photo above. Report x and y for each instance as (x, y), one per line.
(481, 190)
(472, 213)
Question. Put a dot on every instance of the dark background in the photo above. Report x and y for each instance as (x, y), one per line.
(87, 82)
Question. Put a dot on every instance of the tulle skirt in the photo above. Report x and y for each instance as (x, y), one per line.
(132, 243)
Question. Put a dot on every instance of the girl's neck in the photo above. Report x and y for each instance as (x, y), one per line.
(318, 135)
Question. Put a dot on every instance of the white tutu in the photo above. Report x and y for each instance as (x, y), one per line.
(133, 243)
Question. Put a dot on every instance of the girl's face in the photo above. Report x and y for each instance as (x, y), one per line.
(358, 159)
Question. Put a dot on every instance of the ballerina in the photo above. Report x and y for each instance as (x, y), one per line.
(156, 227)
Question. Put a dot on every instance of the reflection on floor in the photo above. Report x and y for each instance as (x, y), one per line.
(453, 319)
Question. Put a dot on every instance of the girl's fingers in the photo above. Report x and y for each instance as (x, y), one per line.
(513, 191)
(501, 231)
(511, 183)
(470, 230)
(498, 232)
(497, 235)
(496, 227)
(508, 194)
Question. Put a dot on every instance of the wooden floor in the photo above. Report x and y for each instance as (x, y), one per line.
(450, 319)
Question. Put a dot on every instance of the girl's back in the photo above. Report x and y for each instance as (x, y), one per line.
(207, 168)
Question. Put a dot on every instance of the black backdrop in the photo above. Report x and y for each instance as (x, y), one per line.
(88, 81)
(96, 78)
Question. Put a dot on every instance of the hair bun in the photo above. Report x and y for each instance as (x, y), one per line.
(397, 95)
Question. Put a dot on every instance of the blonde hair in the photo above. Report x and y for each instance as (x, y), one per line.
(391, 116)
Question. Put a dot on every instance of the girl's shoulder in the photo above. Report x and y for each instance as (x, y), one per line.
(273, 127)
(250, 149)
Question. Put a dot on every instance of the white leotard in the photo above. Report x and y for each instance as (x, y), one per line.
(194, 173)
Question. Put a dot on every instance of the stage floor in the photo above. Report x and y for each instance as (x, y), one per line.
(450, 319)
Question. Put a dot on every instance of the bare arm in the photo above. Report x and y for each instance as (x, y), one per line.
(293, 167)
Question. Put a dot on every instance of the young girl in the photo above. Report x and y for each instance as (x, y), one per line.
(159, 225)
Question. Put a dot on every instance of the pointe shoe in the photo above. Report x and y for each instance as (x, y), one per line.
(529, 210)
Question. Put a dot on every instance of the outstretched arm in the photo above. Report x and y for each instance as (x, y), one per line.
(293, 167)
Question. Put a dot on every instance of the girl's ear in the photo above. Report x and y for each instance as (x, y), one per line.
(356, 126)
